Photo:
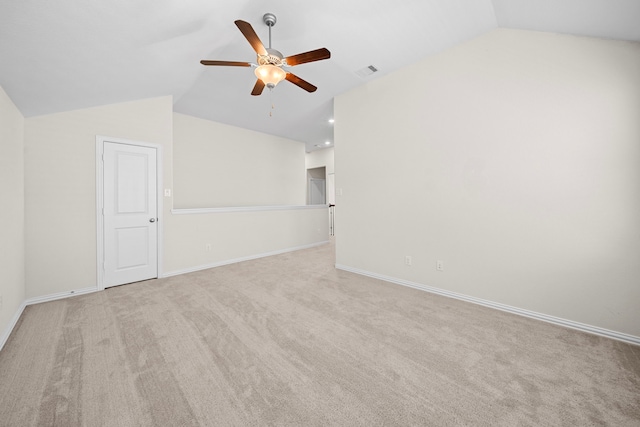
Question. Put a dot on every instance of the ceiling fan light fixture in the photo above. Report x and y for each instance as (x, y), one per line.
(270, 74)
(270, 61)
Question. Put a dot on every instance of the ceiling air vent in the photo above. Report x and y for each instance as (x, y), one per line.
(366, 71)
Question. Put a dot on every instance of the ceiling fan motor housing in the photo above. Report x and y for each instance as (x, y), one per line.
(273, 57)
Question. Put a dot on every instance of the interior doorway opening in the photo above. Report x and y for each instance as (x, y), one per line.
(317, 186)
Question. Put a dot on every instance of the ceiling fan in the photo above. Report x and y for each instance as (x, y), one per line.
(269, 69)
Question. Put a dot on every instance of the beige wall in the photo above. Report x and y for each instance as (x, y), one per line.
(514, 158)
(12, 265)
(235, 236)
(60, 186)
(218, 165)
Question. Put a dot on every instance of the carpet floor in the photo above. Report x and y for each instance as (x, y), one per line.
(289, 340)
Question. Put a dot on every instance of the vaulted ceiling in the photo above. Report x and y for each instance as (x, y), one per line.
(70, 54)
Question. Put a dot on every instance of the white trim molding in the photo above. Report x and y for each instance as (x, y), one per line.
(195, 211)
(631, 339)
(61, 295)
(241, 259)
(38, 300)
(14, 320)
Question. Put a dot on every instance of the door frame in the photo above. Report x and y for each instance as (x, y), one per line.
(100, 141)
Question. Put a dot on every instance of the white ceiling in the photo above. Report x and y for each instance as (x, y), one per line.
(69, 54)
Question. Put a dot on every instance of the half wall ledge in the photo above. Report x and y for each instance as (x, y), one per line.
(194, 211)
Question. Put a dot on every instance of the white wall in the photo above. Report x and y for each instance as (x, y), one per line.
(12, 265)
(218, 165)
(320, 158)
(60, 186)
(515, 159)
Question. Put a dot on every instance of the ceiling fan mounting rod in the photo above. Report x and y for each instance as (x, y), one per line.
(270, 20)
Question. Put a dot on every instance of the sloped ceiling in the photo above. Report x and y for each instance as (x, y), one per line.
(71, 54)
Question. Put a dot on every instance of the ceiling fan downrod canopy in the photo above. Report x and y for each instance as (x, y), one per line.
(270, 20)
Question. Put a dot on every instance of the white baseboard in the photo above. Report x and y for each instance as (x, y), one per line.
(67, 294)
(235, 260)
(60, 295)
(12, 324)
(38, 300)
(631, 339)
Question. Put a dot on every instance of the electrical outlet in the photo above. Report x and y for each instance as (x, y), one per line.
(439, 265)
(408, 260)
(208, 247)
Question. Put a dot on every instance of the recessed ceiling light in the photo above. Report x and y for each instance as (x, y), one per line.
(331, 120)
(327, 143)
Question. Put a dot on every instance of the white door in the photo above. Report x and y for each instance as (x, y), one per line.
(130, 214)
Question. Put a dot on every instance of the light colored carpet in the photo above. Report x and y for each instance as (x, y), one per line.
(288, 340)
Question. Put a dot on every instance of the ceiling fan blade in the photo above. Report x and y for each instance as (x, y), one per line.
(303, 58)
(257, 89)
(226, 63)
(300, 83)
(247, 30)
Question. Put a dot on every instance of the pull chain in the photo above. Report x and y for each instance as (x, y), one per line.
(271, 102)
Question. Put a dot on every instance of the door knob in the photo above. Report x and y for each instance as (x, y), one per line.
(152, 220)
